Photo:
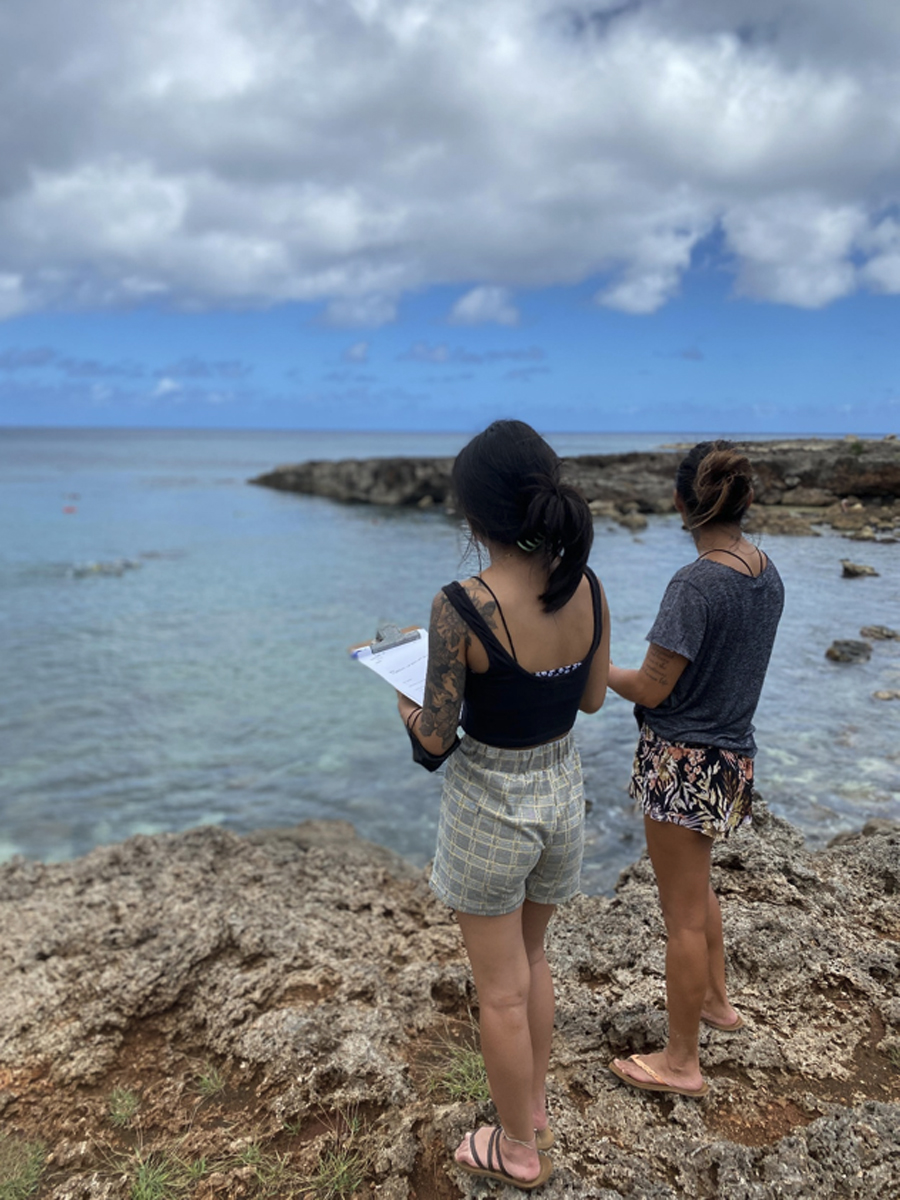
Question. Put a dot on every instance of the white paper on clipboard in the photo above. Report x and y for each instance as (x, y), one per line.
(403, 666)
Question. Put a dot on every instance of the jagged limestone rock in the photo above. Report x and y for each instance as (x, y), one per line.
(321, 980)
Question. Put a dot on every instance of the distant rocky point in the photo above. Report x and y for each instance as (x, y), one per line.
(851, 484)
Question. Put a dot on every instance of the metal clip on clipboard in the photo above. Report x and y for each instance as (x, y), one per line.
(390, 635)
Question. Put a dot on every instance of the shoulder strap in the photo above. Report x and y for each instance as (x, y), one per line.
(733, 555)
(597, 598)
(502, 618)
(462, 602)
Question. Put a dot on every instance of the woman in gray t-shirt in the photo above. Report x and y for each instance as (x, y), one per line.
(695, 696)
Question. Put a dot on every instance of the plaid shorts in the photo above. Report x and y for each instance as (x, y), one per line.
(511, 826)
(704, 788)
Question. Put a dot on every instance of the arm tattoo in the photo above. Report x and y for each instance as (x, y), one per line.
(657, 663)
(446, 679)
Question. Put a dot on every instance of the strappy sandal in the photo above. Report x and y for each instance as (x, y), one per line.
(544, 1139)
(495, 1168)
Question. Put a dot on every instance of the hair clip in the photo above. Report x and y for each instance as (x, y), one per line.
(529, 545)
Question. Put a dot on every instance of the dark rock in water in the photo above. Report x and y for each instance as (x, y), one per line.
(116, 568)
(781, 521)
(848, 650)
(635, 521)
(323, 984)
(808, 497)
(391, 481)
(852, 570)
(870, 829)
(879, 633)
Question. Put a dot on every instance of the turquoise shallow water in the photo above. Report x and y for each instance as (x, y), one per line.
(210, 681)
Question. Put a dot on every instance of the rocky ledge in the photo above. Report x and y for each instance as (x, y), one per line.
(274, 1015)
(852, 484)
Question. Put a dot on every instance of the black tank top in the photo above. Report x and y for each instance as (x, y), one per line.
(509, 706)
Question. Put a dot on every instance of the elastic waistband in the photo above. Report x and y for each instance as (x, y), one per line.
(518, 761)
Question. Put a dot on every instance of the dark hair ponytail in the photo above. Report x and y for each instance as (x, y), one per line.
(715, 481)
(507, 486)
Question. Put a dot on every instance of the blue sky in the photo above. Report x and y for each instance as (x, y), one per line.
(398, 214)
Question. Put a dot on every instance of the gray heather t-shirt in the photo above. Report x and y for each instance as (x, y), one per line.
(725, 623)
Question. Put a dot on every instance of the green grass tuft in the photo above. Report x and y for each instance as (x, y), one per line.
(196, 1170)
(460, 1075)
(122, 1106)
(209, 1082)
(340, 1173)
(21, 1167)
(156, 1177)
(251, 1156)
(271, 1171)
(341, 1169)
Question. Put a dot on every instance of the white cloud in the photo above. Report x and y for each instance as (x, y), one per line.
(357, 353)
(794, 250)
(12, 298)
(882, 271)
(484, 306)
(251, 152)
(658, 259)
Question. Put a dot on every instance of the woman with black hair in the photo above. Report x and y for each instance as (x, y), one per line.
(514, 653)
(695, 696)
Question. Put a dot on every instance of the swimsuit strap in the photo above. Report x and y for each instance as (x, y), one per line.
(502, 618)
(738, 557)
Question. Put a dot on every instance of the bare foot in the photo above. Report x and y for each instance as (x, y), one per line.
(521, 1162)
(687, 1079)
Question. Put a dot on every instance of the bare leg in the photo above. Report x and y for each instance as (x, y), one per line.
(680, 860)
(502, 971)
(716, 1004)
(541, 1004)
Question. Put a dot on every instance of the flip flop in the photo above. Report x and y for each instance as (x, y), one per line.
(659, 1086)
(544, 1139)
(732, 1028)
(495, 1168)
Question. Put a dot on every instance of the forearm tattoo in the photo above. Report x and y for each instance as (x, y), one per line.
(446, 678)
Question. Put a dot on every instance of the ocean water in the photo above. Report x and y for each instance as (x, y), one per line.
(174, 649)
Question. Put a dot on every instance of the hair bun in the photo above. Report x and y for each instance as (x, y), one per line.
(715, 481)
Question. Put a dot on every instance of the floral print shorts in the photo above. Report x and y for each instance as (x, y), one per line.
(704, 788)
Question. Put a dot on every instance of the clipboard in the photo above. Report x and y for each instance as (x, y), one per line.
(399, 656)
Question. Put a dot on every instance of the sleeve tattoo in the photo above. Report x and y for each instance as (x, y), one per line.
(446, 678)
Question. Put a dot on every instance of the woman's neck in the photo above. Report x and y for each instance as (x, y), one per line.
(513, 563)
(718, 537)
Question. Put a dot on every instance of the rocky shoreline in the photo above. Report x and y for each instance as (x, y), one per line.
(851, 484)
(250, 1016)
